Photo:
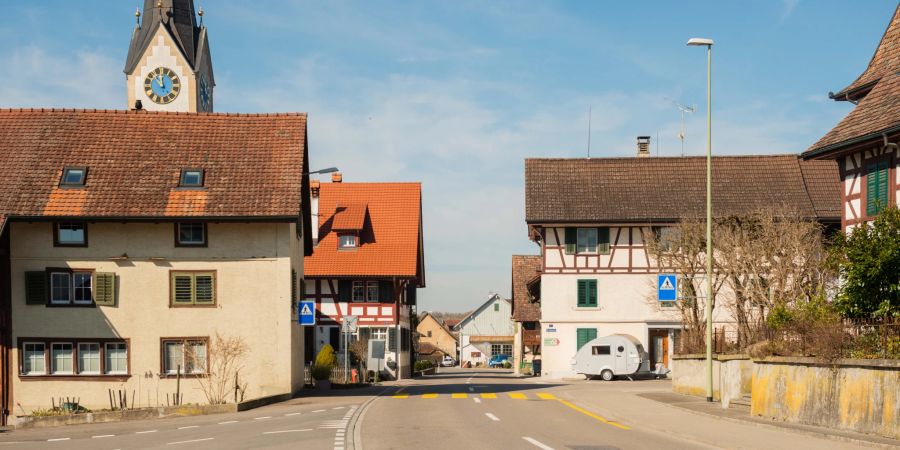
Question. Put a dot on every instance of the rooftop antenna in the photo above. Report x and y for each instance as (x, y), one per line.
(683, 109)
(590, 107)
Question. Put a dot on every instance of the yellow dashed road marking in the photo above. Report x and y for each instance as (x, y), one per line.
(488, 395)
(544, 396)
(429, 395)
(594, 416)
(517, 396)
(460, 395)
(401, 396)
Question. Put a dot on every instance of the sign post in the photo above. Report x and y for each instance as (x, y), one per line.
(348, 326)
(667, 287)
(306, 313)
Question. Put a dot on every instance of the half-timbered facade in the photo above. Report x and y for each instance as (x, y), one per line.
(368, 263)
(526, 309)
(865, 142)
(591, 218)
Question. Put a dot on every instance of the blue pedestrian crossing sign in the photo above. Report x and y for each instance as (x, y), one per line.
(667, 287)
(307, 312)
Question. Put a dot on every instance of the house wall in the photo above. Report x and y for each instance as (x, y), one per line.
(440, 338)
(252, 262)
(854, 179)
(485, 321)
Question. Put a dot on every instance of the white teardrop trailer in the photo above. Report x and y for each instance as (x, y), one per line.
(615, 355)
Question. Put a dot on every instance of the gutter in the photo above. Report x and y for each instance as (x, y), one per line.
(875, 134)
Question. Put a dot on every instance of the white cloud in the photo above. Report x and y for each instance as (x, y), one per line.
(787, 8)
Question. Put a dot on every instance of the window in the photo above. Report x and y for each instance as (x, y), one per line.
(496, 307)
(193, 288)
(600, 350)
(347, 241)
(501, 349)
(877, 193)
(70, 234)
(33, 362)
(585, 335)
(587, 293)
(61, 362)
(191, 178)
(365, 291)
(428, 333)
(88, 358)
(189, 356)
(190, 234)
(587, 240)
(73, 176)
(372, 291)
(116, 358)
(75, 287)
(379, 334)
(359, 291)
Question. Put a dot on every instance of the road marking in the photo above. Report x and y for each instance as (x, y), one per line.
(338, 407)
(429, 395)
(227, 422)
(262, 418)
(459, 395)
(492, 417)
(286, 431)
(192, 440)
(537, 443)
(594, 416)
(517, 396)
(189, 426)
(544, 396)
(319, 410)
(489, 395)
(102, 436)
(145, 432)
(401, 396)
(58, 439)
(293, 414)
(477, 400)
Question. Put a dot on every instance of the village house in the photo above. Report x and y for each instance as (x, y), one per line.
(368, 262)
(526, 309)
(864, 143)
(590, 218)
(486, 331)
(435, 339)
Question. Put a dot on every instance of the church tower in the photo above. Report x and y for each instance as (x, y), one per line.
(169, 67)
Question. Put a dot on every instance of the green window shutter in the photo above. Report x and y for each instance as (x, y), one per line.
(603, 240)
(182, 289)
(877, 194)
(36, 288)
(392, 339)
(293, 285)
(582, 292)
(571, 240)
(592, 293)
(584, 335)
(204, 288)
(105, 288)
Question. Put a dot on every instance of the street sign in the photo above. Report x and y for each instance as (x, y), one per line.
(667, 287)
(551, 342)
(307, 312)
(349, 324)
(551, 328)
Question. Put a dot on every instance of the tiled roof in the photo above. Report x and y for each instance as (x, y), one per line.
(349, 217)
(659, 189)
(253, 164)
(877, 91)
(524, 269)
(390, 240)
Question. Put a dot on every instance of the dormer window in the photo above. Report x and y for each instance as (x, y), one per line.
(348, 241)
(191, 178)
(73, 176)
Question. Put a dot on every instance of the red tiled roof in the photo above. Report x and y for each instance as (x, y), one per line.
(390, 240)
(349, 217)
(885, 60)
(450, 323)
(253, 164)
(524, 269)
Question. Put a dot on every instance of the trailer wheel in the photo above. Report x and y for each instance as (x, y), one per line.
(606, 375)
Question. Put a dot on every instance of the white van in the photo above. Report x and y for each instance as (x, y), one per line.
(609, 356)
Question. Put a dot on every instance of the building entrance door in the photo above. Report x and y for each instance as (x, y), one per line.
(659, 348)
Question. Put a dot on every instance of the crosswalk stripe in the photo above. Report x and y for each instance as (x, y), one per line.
(401, 396)
(429, 395)
(544, 396)
(459, 395)
(488, 395)
(517, 396)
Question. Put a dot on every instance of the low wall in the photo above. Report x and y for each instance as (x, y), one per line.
(849, 394)
(732, 376)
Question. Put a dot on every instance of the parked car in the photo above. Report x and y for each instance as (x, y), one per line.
(498, 360)
(448, 361)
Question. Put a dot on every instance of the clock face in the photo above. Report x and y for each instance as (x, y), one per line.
(162, 85)
(204, 92)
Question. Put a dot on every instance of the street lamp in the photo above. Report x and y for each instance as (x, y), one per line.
(328, 170)
(699, 42)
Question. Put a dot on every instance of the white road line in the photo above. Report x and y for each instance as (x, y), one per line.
(537, 443)
(102, 436)
(227, 422)
(192, 440)
(58, 439)
(319, 410)
(293, 414)
(338, 407)
(189, 426)
(492, 417)
(286, 431)
(477, 400)
(262, 418)
(145, 432)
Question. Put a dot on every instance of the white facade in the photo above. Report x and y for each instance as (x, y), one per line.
(487, 331)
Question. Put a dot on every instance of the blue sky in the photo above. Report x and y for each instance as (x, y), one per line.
(457, 94)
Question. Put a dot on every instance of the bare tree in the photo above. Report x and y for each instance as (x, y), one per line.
(223, 357)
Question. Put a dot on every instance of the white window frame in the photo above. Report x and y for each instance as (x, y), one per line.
(352, 242)
(68, 285)
(361, 287)
(53, 369)
(184, 362)
(379, 333)
(26, 359)
(583, 241)
(81, 370)
(107, 368)
(90, 288)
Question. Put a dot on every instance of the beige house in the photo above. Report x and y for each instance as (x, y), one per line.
(437, 336)
(130, 240)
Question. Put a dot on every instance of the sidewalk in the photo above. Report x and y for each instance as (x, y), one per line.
(650, 405)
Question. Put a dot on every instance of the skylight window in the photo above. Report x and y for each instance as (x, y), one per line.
(191, 178)
(73, 176)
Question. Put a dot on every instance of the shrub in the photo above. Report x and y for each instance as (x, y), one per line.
(326, 357)
(423, 365)
(321, 373)
(507, 365)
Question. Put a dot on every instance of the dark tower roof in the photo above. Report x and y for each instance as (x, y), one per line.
(178, 16)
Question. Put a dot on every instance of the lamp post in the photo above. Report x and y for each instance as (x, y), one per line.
(699, 42)
(316, 172)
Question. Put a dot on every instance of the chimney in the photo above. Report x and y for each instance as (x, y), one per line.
(643, 146)
(336, 177)
(314, 188)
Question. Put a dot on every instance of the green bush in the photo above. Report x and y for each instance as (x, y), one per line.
(507, 365)
(326, 357)
(320, 373)
(423, 365)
